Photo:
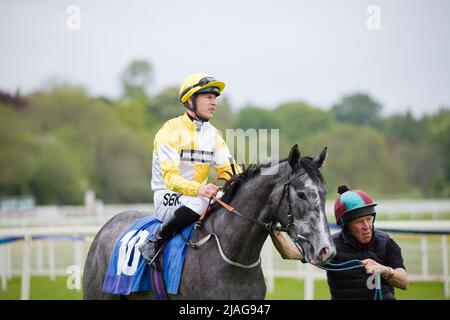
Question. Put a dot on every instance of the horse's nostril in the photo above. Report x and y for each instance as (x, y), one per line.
(324, 253)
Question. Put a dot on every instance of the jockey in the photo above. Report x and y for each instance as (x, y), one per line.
(184, 150)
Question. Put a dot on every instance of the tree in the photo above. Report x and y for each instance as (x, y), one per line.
(438, 134)
(359, 158)
(403, 127)
(57, 175)
(89, 145)
(13, 101)
(17, 141)
(123, 167)
(136, 79)
(300, 123)
(422, 165)
(165, 105)
(358, 108)
(252, 117)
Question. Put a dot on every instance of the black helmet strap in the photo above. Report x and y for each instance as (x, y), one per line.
(194, 107)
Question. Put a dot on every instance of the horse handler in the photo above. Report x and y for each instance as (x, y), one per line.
(358, 240)
(184, 150)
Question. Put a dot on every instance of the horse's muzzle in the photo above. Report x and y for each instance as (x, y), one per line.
(325, 255)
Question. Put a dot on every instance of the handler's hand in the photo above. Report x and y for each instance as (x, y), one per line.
(372, 267)
(208, 190)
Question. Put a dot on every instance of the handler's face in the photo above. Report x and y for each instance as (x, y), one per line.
(361, 228)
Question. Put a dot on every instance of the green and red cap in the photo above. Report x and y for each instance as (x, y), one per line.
(352, 204)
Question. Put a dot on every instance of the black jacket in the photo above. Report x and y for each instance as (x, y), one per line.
(352, 284)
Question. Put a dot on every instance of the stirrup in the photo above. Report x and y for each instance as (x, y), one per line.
(151, 262)
(155, 256)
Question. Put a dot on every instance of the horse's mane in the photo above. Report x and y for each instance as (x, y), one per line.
(233, 184)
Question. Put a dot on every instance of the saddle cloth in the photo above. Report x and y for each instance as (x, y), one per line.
(128, 272)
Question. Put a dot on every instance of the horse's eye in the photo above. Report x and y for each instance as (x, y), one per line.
(302, 195)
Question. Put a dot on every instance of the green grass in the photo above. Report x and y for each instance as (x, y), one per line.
(42, 288)
(292, 289)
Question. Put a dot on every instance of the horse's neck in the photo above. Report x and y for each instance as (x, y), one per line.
(242, 240)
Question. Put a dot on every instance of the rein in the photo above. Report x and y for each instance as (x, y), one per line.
(269, 226)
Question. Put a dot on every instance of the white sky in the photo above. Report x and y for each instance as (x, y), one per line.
(268, 52)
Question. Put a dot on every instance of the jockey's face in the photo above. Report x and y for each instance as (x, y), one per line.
(361, 228)
(205, 105)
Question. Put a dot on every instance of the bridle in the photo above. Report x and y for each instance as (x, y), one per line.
(269, 226)
(290, 214)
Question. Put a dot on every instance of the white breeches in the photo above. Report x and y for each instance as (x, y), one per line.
(167, 201)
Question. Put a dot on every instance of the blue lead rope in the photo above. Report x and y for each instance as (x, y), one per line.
(341, 267)
(378, 288)
(334, 265)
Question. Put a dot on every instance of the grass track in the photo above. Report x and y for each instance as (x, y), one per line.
(42, 288)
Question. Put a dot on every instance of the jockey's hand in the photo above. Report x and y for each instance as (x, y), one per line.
(208, 190)
(372, 267)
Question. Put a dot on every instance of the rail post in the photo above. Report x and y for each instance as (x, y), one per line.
(51, 260)
(309, 282)
(444, 247)
(424, 255)
(3, 266)
(26, 266)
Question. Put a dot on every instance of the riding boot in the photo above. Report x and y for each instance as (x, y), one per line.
(181, 218)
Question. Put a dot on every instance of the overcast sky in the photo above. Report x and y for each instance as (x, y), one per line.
(267, 52)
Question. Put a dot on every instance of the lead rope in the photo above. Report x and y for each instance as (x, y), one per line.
(378, 293)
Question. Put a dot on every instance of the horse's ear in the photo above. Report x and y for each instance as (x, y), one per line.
(318, 160)
(294, 157)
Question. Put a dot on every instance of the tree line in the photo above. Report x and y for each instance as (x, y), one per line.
(59, 142)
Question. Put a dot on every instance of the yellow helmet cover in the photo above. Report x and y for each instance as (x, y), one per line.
(196, 82)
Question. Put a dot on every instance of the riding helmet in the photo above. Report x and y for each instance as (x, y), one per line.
(199, 83)
(352, 204)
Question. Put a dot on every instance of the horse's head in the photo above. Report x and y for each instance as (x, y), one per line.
(298, 204)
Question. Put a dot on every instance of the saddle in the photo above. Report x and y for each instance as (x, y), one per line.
(128, 272)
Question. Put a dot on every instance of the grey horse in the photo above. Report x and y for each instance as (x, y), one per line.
(289, 194)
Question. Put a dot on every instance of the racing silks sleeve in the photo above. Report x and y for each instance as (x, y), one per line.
(166, 149)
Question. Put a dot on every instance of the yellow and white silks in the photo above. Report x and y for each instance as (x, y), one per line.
(183, 152)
